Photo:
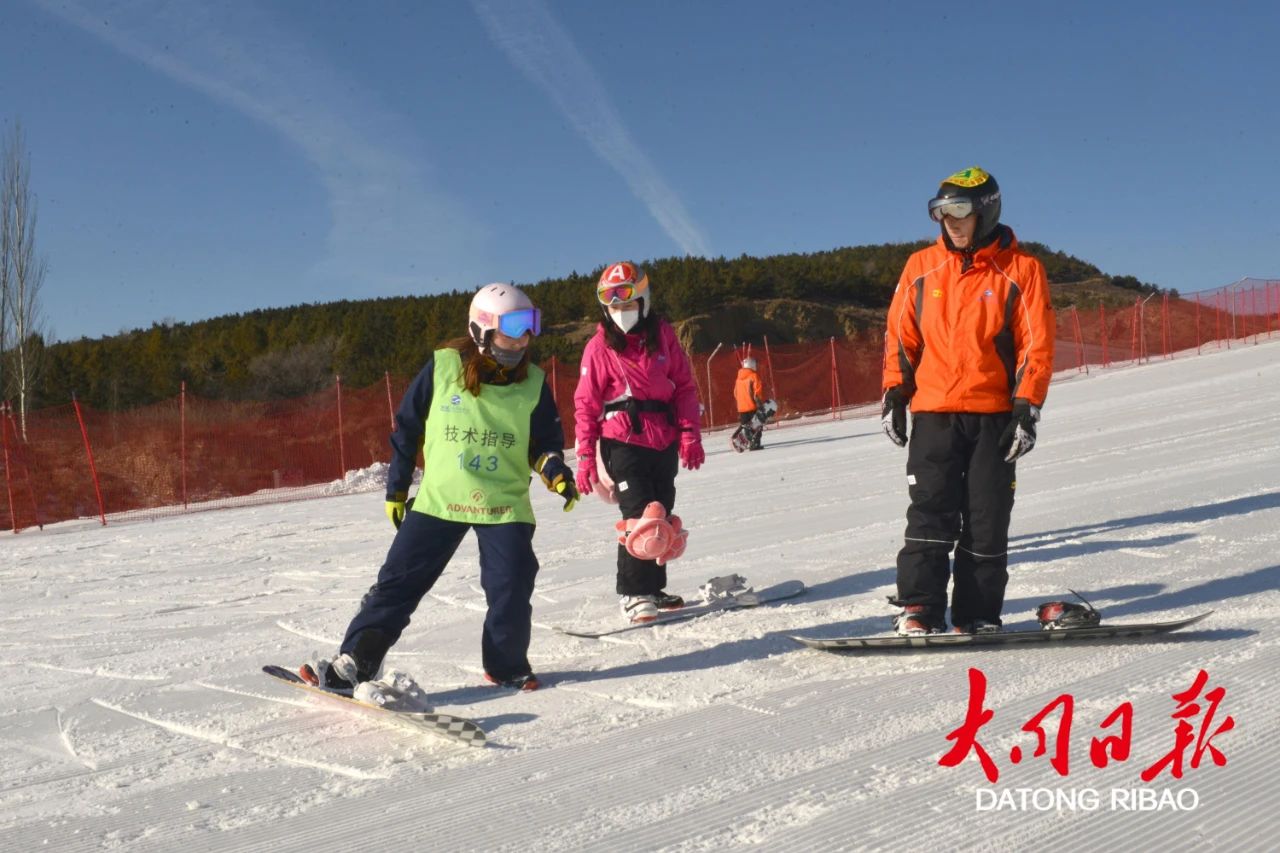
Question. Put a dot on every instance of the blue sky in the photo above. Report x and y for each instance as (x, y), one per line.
(194, 159)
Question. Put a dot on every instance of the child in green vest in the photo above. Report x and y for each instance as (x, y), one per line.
(483, 417)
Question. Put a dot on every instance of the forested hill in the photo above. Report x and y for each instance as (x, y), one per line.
(285, 352)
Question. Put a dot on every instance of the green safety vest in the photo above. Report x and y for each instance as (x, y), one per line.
(476, 449)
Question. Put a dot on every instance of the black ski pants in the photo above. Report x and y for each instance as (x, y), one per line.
(418, 555)
(961, 493)
(642, 474)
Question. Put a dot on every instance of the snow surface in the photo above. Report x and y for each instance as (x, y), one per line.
(137, 719)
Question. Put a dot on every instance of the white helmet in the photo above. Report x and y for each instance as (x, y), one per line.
(749, 363)
(501, 306)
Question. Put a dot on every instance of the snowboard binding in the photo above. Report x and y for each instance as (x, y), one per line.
(728, 588)
(1057, 615)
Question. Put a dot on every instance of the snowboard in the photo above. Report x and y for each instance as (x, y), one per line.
(456, 729)
(1002, 638)
(778, 592)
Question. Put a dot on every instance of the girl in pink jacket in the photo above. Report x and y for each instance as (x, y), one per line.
(636, 398)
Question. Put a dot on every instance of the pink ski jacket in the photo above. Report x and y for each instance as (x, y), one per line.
(612, 377)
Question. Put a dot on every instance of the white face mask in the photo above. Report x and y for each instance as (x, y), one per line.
(625, 319)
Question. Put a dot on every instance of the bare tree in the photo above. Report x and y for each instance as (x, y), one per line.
(25, 270)
(6, 272)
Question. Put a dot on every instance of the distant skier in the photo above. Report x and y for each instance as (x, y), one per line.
(970, 349)
(748, 393)
(637, 399)
(483, 416)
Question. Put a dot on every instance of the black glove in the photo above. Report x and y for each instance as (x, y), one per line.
(893, 415)
(558, 478)
(1020, 435)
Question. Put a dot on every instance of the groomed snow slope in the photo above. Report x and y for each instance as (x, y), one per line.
(136, 717)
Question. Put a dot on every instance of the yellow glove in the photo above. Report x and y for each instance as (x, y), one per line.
(566, 489)
(396, 508)
(558, 478)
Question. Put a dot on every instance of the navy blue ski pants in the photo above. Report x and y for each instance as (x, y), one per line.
(422, 548)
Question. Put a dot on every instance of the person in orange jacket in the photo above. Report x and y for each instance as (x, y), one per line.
(748, 393)
(969, 348)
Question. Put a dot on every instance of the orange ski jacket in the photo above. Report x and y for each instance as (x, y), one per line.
(970, 333)
(747, 389)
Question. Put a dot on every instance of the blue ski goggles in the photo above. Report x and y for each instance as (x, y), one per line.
(515, 323)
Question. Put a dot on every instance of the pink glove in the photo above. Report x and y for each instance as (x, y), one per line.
(587, 478)
(691, 454)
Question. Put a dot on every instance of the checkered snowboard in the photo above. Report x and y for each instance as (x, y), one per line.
(456, 729)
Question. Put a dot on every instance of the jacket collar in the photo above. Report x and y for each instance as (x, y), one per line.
(1002, 240)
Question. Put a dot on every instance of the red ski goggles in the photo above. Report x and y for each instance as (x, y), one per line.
(956, 208)
(515, 323)
(612, 294)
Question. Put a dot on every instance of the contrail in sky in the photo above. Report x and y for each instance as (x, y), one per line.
(388, 227)
(538, 46)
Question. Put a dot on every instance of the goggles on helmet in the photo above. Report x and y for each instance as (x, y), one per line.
(956, 208)
(612, 294)
(515, 323)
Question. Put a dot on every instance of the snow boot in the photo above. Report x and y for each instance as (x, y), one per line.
(639, 608)
(667, 601)
(338, 675)
(528, 681)
(917, 620)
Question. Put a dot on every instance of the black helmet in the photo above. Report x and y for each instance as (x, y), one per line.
(980, 190)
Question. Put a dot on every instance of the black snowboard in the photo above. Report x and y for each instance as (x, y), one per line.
(1002, 638)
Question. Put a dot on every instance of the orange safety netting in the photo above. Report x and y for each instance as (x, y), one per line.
(188, 453)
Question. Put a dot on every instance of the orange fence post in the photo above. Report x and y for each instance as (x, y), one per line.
(835, 382)
(8, 467)
(711, 395)
(1102, 333)
(1133, 349)
(1075, 323)
(342, 447)
(768, 359)
(182, 438)
(1165, 327)
(391, 406)
(93, 467)
(1197, 324)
